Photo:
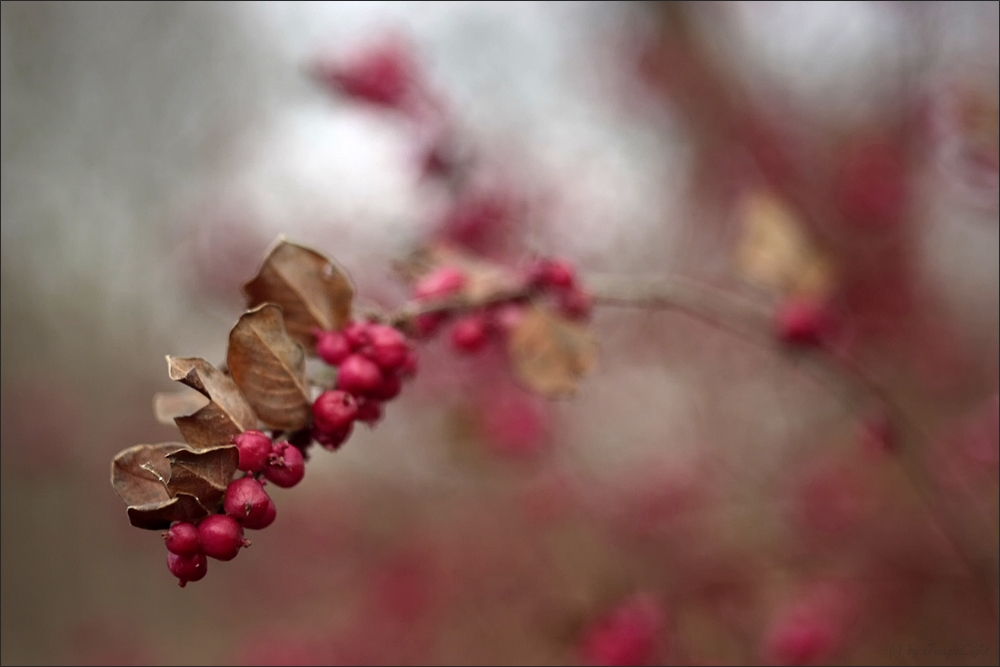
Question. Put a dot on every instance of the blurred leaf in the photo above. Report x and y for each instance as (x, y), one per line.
(270, 368)
(776, 252)
(484, 280)
(551, 354)
(312, 291)
(139, 476)
(228, 412)
(204, 474)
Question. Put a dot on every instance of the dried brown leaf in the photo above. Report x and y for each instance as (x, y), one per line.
(270, 368)
(139, 476)
(228, 412)
(204, 474)
(313, 291)
(551, 354)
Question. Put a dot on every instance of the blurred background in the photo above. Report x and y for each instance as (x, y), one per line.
(151, 152)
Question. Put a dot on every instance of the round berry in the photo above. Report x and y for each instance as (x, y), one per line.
(469, 334)
(187, 568)
(388, 347)
(558, 273)
(221, 536)
(426, 325)
(287, 469)
(182, 539)
(332, 347)
(506, 317)
(441, 282)
(576, 304)
(358, 375)
(802, 321)
(270, 513)
(357, 335)
(334, 410)
(332, 440)
(247, 502)
(254, 448)
(369, 411)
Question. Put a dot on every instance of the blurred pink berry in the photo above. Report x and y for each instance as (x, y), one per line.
(803, 321)
(369, 411)
(332, 347)
(441, 282)
(800, 639)
(383, 75)
(333, 440)
(358, 375)
(469, 334)
(388, 347)
(627, 635)
(576, 304)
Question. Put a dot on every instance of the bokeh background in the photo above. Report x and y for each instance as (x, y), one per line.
(152, 152)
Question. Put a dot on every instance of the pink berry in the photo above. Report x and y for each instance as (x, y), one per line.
(427, 324)
(254, 448)
(187, 568)
(270, 513)
(560, 274)
(576, 304)
(469, 334)
(800, 640)
(389, 389)
(333, 440)
(441, 282)
(625, 636)
(247, 502)
(388, 347)
(506, 317)
(802, 321)
(383, 75)
(221, 536)
(182, 539)
(357, 335)
(332, 347)
(358, 375)
(334, 410)
(369, 411)
(288, 468)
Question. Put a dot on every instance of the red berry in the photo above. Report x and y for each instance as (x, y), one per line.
(332, 347)
(388, 347)
(469, 333)
(802, 321)
(801, 640)
(626, 635)
(247, 502)
(427, 324)
(332, 440)
(254, 448)
(357, 335)
(269, 516)
(182, 539)
(369, 411)
(288, 468)
(334, 411)
(576, 304)
(221, 536)
(187, 568)
(383, 75)
(358, 375)
(506, 317)
(560, 274)
(389, 389)
(441, 282)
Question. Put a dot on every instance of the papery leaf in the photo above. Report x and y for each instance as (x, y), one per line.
(204, 474)
(228, 412)
(270, 368)
(139, 476)
(313, 292)
(776, 251)
(549, 353)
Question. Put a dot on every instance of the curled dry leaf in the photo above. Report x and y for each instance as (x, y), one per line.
(227, 414)
(312, 291)
(139, 476)
(169, 405)
(270, 368)
(204, 474)
(551, 354)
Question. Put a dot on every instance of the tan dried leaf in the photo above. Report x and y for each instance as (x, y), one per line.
(551, 354)
(270, 368)
(169, 405)
(776, 251)
(313, 291)
(204, 474)
(139, 476)
(227, 414)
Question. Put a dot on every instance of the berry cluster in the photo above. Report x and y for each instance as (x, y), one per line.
(371, 361)
(471, 331)
(246, 505)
